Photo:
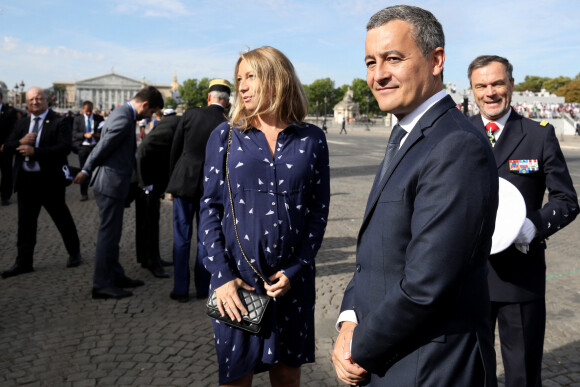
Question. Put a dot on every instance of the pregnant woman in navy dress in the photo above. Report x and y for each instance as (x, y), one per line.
(279, 174)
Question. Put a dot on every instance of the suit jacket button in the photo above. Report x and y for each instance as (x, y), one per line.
(358, 267)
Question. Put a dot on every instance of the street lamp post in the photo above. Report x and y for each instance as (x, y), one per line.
(367, 98)
(21, 91)
(325, 101)
(316, 112)
(15, 90)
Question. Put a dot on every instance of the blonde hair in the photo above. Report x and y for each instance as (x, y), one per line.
(281, 94)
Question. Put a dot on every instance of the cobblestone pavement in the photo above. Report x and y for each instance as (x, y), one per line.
(53, 334)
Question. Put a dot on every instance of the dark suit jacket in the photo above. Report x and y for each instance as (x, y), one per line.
(419, 290)
(52, 150)
(7, 119)
(153, 154)
(112, 160)
(514, 276)
(80, 128)
(188, 150)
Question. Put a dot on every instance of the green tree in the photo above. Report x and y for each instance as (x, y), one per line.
(553, 84)
(194, 92)
(319, 89)
(361, 91)
(571, 91)
(170, 102)
(532, 83)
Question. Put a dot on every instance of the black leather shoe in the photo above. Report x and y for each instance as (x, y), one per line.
(165, 263)
(110, 292)
(128, 283)
(74, 260)
(158, 272)
(179, 297)
(16, 270)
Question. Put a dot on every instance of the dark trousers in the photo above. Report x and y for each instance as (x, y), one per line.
(521, 329)
(84, 152)
(107, 266)
(36, 191)
(6, 184)
(147, 208)
(183, 214)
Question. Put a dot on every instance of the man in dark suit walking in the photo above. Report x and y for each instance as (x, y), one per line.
(186, 186)
(86, 134)
(7, 119)
(153, 175)
(41, 143)
(110, 166)
(528, 155)
(416, 310)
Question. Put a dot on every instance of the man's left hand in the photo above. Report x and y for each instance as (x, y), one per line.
(346, 369)
(25, 150)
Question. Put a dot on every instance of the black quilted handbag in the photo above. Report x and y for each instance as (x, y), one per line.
(255, 303)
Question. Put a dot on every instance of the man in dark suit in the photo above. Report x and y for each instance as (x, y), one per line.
(186, 186)
(7, 119)
(41, 143)
(86, 134)
(153, 176)
(110, 166)
(528, 155)
(416, 310)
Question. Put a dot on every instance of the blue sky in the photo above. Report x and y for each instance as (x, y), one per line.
(44, 41)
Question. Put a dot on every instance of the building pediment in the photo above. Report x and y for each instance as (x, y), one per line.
(108, 81)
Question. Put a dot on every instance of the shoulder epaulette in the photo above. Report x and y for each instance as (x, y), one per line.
(544, 123)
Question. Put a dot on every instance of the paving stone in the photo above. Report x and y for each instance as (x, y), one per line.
(56, 335)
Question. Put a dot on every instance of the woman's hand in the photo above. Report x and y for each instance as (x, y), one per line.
(228, 300)
(280, 285)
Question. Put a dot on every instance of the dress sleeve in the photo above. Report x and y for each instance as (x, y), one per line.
(212, 208)
(317, 205)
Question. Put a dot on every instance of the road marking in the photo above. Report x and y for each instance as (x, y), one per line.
(338, 142)
(563, 274)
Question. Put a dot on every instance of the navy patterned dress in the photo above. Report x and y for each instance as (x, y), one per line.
(281, 206)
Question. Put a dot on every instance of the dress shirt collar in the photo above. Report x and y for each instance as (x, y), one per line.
(410, 120)
(134, 111)
(500, 123)
(42, 118)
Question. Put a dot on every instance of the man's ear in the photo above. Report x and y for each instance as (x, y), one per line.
(438, 59)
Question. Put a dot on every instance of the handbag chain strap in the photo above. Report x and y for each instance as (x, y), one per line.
(233, 213)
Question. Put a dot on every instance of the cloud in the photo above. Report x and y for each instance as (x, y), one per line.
(8, 43)
(154, 8)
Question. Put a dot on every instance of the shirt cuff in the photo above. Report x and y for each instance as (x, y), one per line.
(346, 315)
(85, 172)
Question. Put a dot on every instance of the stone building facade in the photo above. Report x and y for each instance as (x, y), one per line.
(106, 91)
(346, 109)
